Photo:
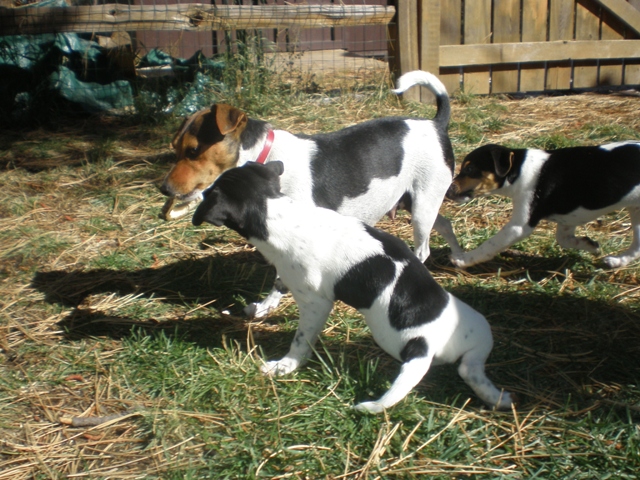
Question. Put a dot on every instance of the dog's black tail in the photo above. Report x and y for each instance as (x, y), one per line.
(430, 81)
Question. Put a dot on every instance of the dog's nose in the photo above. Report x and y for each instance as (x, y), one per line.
(453, 191)
(165, 190)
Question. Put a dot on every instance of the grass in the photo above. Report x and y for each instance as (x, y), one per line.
(105, 309)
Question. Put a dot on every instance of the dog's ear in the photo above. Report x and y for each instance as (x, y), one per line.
(276, 166)
(228, 118)
(502, 160)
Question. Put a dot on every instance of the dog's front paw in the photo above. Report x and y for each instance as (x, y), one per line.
(258, 309)
(614, 262)
(279, 367)
(369, 407)
(506, 400)
(462, 260)
(263, 308)
(251, 310)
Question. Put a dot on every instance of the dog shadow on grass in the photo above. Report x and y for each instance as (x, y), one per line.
(553, 346)
(550, 349)
(212, 284)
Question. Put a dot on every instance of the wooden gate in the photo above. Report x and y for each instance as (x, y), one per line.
(497, 46)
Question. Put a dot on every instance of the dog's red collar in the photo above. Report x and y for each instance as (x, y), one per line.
(267, 147)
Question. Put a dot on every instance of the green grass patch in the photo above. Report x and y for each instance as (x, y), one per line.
(107, 310)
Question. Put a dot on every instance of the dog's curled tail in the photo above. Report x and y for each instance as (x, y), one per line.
(430, 81)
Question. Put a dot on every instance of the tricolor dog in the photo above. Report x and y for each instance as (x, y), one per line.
(569, 186)
(364, 171)
(323, 256)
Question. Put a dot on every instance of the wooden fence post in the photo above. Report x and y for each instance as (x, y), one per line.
(429, 41)
(407, 45)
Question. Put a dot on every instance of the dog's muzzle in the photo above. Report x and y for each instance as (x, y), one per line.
(175, 207)
(456, 195)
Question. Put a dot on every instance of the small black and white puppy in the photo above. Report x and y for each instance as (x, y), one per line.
(569, 186)
(323, 256)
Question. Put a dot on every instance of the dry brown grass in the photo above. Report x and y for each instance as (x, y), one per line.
(66, 212)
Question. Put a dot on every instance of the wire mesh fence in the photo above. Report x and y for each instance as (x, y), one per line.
(176, 56)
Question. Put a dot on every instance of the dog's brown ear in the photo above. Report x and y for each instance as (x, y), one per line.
(502, 160)
(229, 118)
(179, 133)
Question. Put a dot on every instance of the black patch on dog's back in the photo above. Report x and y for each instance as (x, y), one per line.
(364, 282)
(587, 177)
(417, 298)
(393, 246)
(414, 348)
(348, 160)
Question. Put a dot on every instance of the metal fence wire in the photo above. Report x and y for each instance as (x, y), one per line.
(174, 55)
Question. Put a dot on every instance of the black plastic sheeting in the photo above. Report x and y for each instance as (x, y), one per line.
(37, 69)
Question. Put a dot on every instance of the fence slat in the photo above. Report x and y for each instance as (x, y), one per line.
(430, 42)
(506, 29)
(450, 34)
(585, 74)
(558, 51)
(408, 39)
(625, 11)
(631, 69)
(609, 74)
(534, 29)
(477, 30)
(561, 23)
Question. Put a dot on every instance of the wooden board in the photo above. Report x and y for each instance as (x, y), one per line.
(561, 24)
(477, 30)
(450, 34)
(429, 12)
(187, 17)
(506, 29)
(627, 12)
(407, 52)
(534, 29)
(610, 73)
(585, 73)
(559, 51)
(632, 69)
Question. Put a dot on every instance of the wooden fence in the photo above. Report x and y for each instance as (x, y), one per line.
(496, 46)
(185, 26)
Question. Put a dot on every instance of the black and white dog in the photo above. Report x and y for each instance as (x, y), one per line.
(363, 171)
(569, 186)
(323, 256)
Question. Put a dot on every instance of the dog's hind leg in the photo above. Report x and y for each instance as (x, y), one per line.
(566, 238)
(313, 315)
(270, 302)
(633, 252)
(424, 217)
(410, 375)
(471, 370)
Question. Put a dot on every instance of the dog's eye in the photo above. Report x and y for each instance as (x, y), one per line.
(469, 170)
(191, 152)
